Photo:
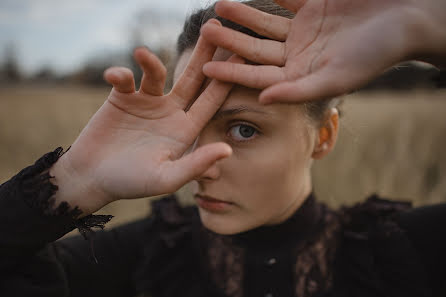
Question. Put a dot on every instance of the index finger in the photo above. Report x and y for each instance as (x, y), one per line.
(192, 78)
(211, 99)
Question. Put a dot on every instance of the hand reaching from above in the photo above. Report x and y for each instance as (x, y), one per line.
(135, 144)
(329, 48)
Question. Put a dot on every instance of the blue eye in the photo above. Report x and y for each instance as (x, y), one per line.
(242, 132)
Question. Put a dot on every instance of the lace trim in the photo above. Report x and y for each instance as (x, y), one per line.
(351, 252)
(226, 262)
(37, 191)
(314, 266)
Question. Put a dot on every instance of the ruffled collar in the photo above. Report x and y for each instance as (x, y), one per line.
(356, 251)
(295, 228)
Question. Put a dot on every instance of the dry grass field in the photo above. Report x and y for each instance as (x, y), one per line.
(390, 143)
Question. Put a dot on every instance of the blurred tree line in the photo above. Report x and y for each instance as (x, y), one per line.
(90, 72)
(149, 27)
(10, 69)
(154, 29)
(403, 77)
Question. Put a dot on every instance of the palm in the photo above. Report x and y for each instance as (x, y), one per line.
(134, 145)
(327, 49)
(140, 140)
(341, 39)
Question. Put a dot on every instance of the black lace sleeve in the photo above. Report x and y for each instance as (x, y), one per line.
(26, 206)
(33, 263)
(34, 185)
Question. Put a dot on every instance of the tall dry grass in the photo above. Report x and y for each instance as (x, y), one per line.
(390, 143)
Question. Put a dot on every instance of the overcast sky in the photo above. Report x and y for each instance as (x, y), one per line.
(61, 34)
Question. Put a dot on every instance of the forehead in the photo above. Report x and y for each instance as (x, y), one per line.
(246, 99)
(240, 96)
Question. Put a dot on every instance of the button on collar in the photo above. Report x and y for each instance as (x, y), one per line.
(271, 261)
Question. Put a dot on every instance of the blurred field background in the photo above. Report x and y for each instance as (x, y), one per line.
(391, 143)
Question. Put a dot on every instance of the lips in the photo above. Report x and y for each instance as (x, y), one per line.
(212, 204)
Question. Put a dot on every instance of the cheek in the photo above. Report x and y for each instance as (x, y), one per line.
(272, 169)
(263, 179)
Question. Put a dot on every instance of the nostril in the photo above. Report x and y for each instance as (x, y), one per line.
(211, 174)
(204, 179)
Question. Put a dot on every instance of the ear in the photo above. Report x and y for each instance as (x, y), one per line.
(328, 134)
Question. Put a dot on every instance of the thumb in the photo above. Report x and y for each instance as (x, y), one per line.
(194, 164)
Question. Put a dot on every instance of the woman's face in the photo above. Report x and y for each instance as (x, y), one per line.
(267, 177)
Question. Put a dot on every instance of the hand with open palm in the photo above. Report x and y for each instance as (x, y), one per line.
(135, 144)
(329, 48)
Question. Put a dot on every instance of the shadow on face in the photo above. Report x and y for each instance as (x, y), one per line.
(267, 177)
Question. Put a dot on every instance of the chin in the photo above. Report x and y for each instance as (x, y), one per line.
(224, 224)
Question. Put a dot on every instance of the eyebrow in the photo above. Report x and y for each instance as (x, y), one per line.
(233, 111)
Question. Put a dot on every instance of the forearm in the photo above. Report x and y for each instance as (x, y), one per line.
(34, 264)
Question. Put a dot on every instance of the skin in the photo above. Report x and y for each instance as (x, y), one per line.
(134, 146)
(329, 48)
(267, 177)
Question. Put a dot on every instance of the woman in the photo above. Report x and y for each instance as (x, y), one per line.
(257, 230)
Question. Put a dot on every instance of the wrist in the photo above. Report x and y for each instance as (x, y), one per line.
(73, 188)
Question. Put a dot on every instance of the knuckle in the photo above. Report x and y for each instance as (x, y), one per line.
(214, 95)
(267, 23)
(232, 72)
(257, 79)
(257, 50)
(232, 41)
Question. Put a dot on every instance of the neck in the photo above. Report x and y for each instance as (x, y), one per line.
(296, 227)
(296, 203)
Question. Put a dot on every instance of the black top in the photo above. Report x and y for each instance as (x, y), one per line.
(376, 248)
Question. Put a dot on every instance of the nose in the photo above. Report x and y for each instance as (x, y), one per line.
(213, 173)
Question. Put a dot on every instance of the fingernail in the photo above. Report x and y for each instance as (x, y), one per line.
(228, 150)
(264, 100)
(214, 22)
(206, 67)
(211, 23)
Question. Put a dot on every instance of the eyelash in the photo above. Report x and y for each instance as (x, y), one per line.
(255, 134)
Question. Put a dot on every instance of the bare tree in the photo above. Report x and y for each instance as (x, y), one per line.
(158, 30)
(10, 69)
